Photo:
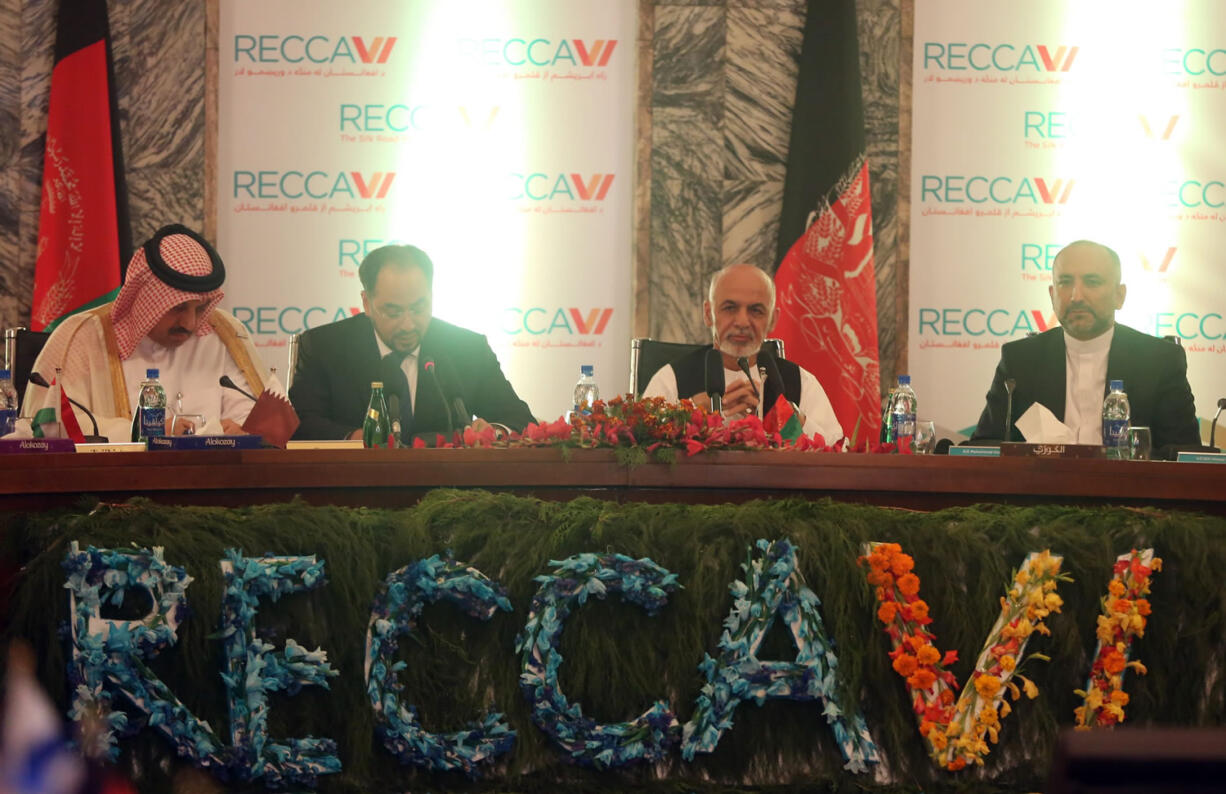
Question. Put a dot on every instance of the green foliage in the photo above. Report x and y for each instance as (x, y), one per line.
(618, 660)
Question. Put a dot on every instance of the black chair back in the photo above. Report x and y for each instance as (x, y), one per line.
(21, 349)
(648, 356)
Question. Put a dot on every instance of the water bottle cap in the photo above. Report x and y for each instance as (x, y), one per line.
(1117, 385)
(587, 369)
(904, 380)
(5, 374)
(151, 374)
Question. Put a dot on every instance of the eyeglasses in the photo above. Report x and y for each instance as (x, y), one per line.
(393, 313)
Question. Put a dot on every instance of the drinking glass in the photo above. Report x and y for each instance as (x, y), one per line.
(1140, 443)
(186, 424)
(925, 436)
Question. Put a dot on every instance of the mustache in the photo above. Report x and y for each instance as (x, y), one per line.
(179, 330)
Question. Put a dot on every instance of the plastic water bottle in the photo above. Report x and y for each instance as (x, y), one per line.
(8, 402)
(586, 390)
(152, 404)
(903, 406)
(1116, 416)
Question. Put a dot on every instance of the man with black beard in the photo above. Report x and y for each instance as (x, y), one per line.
(1067, 368)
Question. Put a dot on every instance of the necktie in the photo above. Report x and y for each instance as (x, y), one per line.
(398, 383)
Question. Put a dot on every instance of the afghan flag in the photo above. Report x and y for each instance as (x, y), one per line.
(783, 419)
(827, 289)
(83, 230)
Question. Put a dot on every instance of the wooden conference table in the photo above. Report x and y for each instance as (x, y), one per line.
(391, 478)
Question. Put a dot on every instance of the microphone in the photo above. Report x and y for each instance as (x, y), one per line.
(226, 383)
(743, 363)
(38, 380)
(767, 362)
(459, 411)
(713, 379)
(1010, 385)
(1213, 427)
(432, 376)
(393, 409)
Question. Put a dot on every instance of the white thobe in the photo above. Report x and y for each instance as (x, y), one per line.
(192, 369)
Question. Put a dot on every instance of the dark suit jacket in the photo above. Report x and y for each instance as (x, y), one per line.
(1154, 371)
(337, 362)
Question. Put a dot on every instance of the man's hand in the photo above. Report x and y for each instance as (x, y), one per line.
(702, 400)
(356, 435)
(232, 428)
(740, 400)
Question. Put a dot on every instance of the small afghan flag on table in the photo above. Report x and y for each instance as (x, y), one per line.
(83, 230)
(826, 284)
(783, 419)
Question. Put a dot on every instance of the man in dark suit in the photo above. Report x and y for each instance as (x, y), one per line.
(395, 341)
(1067, 369)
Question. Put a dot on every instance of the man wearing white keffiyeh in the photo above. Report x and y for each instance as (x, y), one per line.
(165, 317)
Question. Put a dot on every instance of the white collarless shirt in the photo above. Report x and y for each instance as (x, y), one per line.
(1085, 380)
(819, 413)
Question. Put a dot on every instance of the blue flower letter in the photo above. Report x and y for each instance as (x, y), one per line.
(109, 656)
(394, 613)
(648, 736)
(254, 669)
(775, 587)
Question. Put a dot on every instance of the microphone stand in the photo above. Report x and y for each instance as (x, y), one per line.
(38, 380)
(743, 363)
(713, 377)
(1010, 384)
(1213, 427)
(225, 382)
(393, 409)
(442, 398)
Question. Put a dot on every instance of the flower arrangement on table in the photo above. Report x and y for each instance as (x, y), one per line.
(957, 729)
(1123, 619)
(655, 427)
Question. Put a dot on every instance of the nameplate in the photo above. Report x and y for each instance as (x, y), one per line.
(205, 442)
(326, 444)
(1016, 450)
(975, 452)
(14, 445)
(1201, 457)
(123, 446)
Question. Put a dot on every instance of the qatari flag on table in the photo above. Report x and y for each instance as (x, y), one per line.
(826, 283)
(83, 231)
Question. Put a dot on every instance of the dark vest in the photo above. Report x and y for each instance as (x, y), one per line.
(691, 375)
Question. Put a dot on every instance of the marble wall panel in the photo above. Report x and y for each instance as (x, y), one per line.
(159, 74)
(687, 165)
(762, 43)
(879, 23)
(763, 48)
(10, 82)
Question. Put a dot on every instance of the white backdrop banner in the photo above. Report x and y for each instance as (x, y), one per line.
(1041, 123)
(495, 135)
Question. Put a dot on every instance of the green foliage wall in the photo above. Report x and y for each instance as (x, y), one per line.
(618, 660)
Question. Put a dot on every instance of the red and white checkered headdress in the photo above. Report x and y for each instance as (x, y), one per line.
(175, 266)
